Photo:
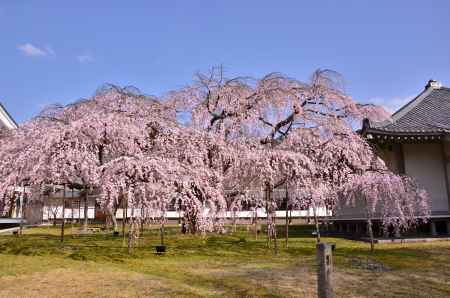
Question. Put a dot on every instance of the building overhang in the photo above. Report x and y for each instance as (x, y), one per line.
(378, 135)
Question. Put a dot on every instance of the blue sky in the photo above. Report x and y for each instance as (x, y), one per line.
(59, 51)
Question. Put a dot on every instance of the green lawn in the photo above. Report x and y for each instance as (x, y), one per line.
(38, 265)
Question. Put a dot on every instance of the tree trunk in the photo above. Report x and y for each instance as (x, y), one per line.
(63, 213)
(86, 208)
(114, 221)
(271, 219)
(112, 216)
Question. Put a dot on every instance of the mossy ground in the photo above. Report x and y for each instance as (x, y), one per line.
(37, 264)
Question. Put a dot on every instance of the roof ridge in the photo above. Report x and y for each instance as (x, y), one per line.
(427, 112)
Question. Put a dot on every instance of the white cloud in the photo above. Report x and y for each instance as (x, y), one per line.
(391, 104)
(33, 51)
(50, 50)
(85, 58)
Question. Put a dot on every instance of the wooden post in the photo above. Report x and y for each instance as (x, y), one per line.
(325, 270)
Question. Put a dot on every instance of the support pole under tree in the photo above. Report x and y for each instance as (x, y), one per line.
(161, 231)
(22, 210)
(234, 221)
(132, 231)
(142, 219)
(71, 206)
(124, 218)
(274, 232)
(325, 270)
(286, 236)
(269, 237)
(79, 209)
(256, 223)
(370, 231)
(86, 208)
(316, 222)
(63, 212)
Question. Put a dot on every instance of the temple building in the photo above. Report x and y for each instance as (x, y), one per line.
(416, 142)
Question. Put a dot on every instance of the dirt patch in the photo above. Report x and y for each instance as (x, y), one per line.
(77, 283)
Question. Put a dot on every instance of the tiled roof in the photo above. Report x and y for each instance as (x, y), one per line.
(427, 113)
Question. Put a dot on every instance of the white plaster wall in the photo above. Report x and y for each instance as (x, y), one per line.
(424, 162)
(240, 214)
(49, 211)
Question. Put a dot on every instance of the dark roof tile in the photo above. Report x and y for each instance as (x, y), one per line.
(431, 114)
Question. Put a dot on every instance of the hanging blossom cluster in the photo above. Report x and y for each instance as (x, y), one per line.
(295, 135)
(394, 200)
(123, 145)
